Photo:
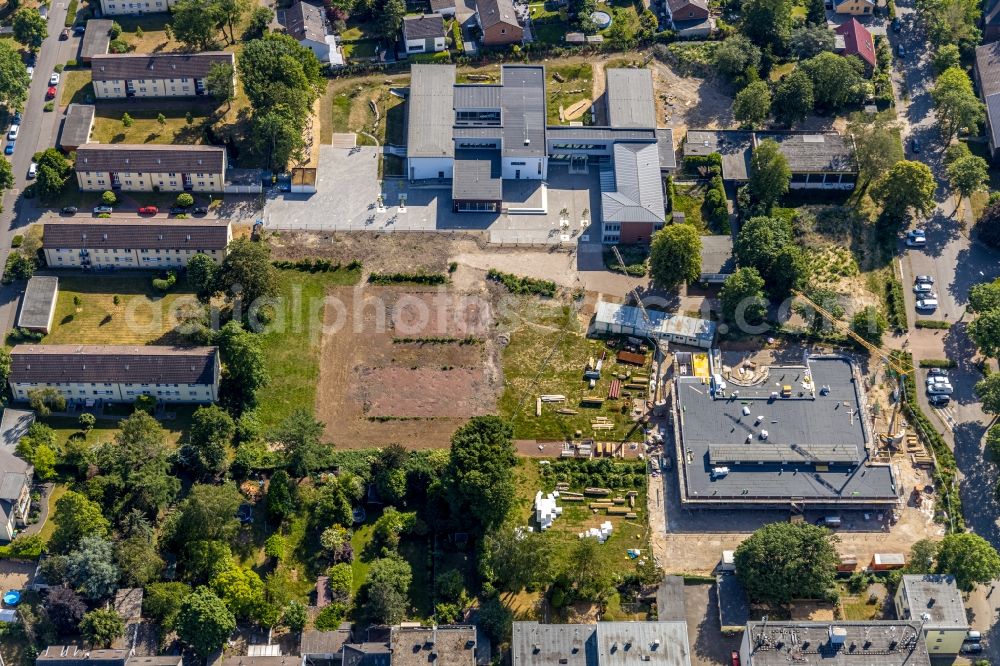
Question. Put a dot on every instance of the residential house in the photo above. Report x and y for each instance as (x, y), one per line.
(38, 305)
(133, 243)
(117, 76)
(885, 643)
(690, 18)
(369, 653)
(424, 34)
(124, 7)
(935, 601)
(324, 648)
(15, 493)
(96, 39)
(77, 126)
(307, 24)
(150, 167)
(987, 72)
(116, 373)
(854, 7)
(817, 160)
(443, 7)
(658, 643)
(853, 39)
(452, 645)
(498, 21)
(71, 655)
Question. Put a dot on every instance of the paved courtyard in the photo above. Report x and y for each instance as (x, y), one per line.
(348, 190)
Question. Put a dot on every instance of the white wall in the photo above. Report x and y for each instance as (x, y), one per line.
(420, 168)
(120, 258)
(320, 49)
(119, 7)
(532, 168)
(115, 392)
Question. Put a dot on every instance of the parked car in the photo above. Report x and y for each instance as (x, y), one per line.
(64, 35)
(915, 145)
(149, 210)
(54, 79)
(9, 149)
(937, 379)
(973, 637)
(916, 238)
(924, 278)
(972, 648)
(29, 59)
(896, 25)
(939, 400)
(102, 209)
(16, 119)
(199, 210)
(31, 72)
(923, 288)
(50, 93)
(79, 29)
(32, 170)
(12, 132)
(927, 304)
(178, 210)
(68, 210)
(900, 51)
(940, 389)
(938, 372)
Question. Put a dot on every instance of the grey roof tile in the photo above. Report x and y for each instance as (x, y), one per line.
(305, 21)
(150, 158)
(492, 12)
(132, 66)
(425, 26)
(113, 363)
(136, 235)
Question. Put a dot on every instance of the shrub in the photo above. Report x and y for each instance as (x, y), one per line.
(17, 241)
(71, 63)
(937, 363)
(49, 107)
(932, 323)
(185, 200)
(118, 46)
(109, 198)
(58, 67)
(71, 13)
(697, 164)
(895, 304)
(165, 283)
(407, 278)
(331, 616)
(517, 284)
(104, 215)
(23, 548)
(116, 30)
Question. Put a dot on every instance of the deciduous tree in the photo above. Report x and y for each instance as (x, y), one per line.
(14, 80)
(768, 22)
(770, 176)
(241, 589)
(675, 255)
(208, 514)
(209, 442)
(793, 98)
(737, 56)
(970, 558)
(784, 561)
(64, 608)
(870, 324)
(956, 105)
(742, 297)
(204, 622)
(809, 40)
(906, 186)
(876, 148)
(247, 271)
(753, 104)
(300, 435)
(988, 390)
(196, 23)
(837, 80)
(479, 476)
(968, 174)
(91, 568)
(102, 627)
(985, 296)
(30, 28)
(220, 83)
(386, 590)
(76, 517)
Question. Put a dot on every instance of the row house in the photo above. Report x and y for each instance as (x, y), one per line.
(149, 168)
(126, 7)
(119, 76)
(130, 244)
(116, 373)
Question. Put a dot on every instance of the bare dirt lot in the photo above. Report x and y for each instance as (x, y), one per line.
(688, 101)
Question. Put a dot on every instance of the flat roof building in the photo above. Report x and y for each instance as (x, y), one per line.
(76, 126)
(453, 645)
(96, 38)
(788, 435)
(617, 319)
(888, 643)
(39, 304)
(936, 602)
(658, 643)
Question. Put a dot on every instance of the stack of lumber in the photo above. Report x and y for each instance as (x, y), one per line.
(597, 492)
(591, 401)
(616, 389)
(631, 359)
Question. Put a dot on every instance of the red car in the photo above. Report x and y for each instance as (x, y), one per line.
(50, 93)
(149, 210)
(735, 658)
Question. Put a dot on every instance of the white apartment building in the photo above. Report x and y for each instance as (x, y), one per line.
(119, 76)
(148, 168)
(133, 243)
(116, 373)
(120, 7)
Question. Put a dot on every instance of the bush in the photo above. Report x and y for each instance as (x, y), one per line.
(23, 548)
(407, 278)
(185, 200)
(309, 265)
(71, 63)
(932, 323)
(331, 616)
(109, 198)
(49, 107)
(104, 215)
(116, 30)
(937, 363)
(895, 303)
(698, 164)
(19, 267)
(517, 284)
(165, 283)
(58, 67)
(17, 241)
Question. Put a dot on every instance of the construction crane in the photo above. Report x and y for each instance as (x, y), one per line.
(633, 291)
(659, 353)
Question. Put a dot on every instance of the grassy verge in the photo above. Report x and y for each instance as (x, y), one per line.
(77, 88)
(293, 353)
(688, 199)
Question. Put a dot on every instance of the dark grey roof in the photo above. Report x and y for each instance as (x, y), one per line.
(477, 176)
(988, 77)
(430, 110)
(665, 143)
(492, 12)
(477, 96)
(935, 600)
(14, 426)
(734, 608)
(39, 297)
(128, 603)
(156, 660)
(523, 110)
(638, 193)
(425, 26)
(438, 5)
(655, 643)
(70, 655)
(113, 363)
(477, 133)
(440, 646)
(677, 5)
(875, 643)
(323, 642)
(629, 96)
(121, 66)
(134, 235)
(814, 152)
(305, 21)
(992, 15)
(535, 644)
(96, 38)
(150, 158)
(366, 654)
(670, 599)
(797, 423)
(570, 133)
(267, 660)
(717, 254)
(734, 147)
(77, 125)
(14, 473)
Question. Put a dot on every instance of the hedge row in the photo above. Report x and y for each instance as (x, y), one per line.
(896, 303)
(716, 208)
(937, 363)
(712, 162)
(933, 323)
(517, 284)
(407, 278)
(314, 265)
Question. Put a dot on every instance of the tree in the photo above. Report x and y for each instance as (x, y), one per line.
(101, 627)
(970, 558)
(201, 275)
(768, 22)
(760, 240)
(14, 80)
(341, 580)
(209, 514)
(300, 434)
(808, 40)
(247, 270)
(390, 19)
(64, 608)
(202, 561)
(221, 84)
(876, 149)
(280, 502)
(6, 174)
(923, 553)
(580, 15)
(906, 186)
(230, 13)
(209, 441)
(479, 471)
(30, 28)
(127, 120)
(195, 23)
(753, 104)
(589, 570)
(769, 174)
(837, 80)
(784, 561)
(496, 620)
(968, 174)
(260, 19)
(675, 255)
(985, 296)
(993, 444)
(793, 98)
(278, 69)
(956, 105)
(737, 57)
(988, 225)
(204, 622)
(240, 588)
(138, 560)
(91, 568)
(162, 602)
(870, 324)
(87, 421)
(816, 12)
(946, 57)
(295, 616)
(742, 297)
(244, 363)
(951, 21)
(44, 400)
(386, 590)
(76, 517)
(161, 120)
(988, 389)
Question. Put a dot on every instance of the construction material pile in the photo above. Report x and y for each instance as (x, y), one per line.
(546, 510)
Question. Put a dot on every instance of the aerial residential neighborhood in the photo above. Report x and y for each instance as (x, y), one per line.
(474, 332)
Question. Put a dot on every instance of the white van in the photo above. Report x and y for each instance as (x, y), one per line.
(32, 170)
(927, 304)
(12, 132)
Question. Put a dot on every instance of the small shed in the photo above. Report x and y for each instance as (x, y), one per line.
(888, 561)
(77, 126)
(128, 604)
(96, 39)
(39, 304)
(734, 608)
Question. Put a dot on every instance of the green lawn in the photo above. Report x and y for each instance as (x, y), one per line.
(361, 49)
(145, 127)
(77, 88)
(293, 350)
(50, 526)
(577, 84)
(778, 71)
(141, 317)
(688, 199)
(360, 539)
